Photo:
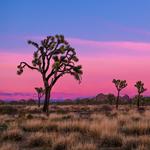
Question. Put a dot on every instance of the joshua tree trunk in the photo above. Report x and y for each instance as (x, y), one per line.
(39, 102)
(46, 102)
(117, 101)
(138, 101)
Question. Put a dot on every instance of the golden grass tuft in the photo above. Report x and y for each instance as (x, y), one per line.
(12, 135)
(97, 128)
(39, 139)
(136, 128)
(36, 125)
(84, 146)
(64, 142)
(9, 146)
(74, 126)
(111, 140)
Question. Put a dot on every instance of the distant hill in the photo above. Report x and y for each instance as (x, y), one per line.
(98, 99)
(9, 96)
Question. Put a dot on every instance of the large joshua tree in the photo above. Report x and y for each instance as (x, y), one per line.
(140, 88)
(53, 58)
(40, 92)
(119, 84)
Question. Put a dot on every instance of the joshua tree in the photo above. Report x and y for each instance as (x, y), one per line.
(40, 91)
(140, 88)
(120, 84)
(53, 58)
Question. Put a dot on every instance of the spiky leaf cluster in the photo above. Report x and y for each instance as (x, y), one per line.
(140, 87)
(120, 84)
(39, 90)
(53, 51)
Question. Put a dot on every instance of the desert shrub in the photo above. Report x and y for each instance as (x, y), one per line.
(108, 140)
(6, 109)
(130, 143)
(137, 119)
(66, 117)
(125, 109)
(72, 129)
(136, 128)
(106, 108)
(3, 126)
(21, 114)
(84, 146)
(29, 116)
(141, 110)
(60, 117)
(113, 115)
(111, 99)
(51, 127)
(98, 128)
(74, 126)
(136, 142)
(35, 111)
(64, 142)
(32, 125)
(144, 142)
(61, 111)
(13, 135)
(35, 125)
(60, 146)
(39, 139)
(143, 147)
(122, 120)
(9, 146)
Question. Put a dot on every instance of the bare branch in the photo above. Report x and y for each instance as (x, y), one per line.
(23, 64)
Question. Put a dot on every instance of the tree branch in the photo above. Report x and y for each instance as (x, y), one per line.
(50, 56)
(26, 64)
(52, 72)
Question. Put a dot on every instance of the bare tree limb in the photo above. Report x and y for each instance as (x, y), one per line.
(25, 64)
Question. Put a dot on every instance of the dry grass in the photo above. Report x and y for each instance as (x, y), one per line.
(75, 130)
(84, 146)
(36, 125)
(12, 135)
(136, 128)
(9, 146)
(39, 139)
(134, 142)
(64, 142)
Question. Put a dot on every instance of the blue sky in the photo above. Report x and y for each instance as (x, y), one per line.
(88, 19)
(111, 38)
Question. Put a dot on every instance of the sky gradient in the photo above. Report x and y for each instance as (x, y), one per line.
(112, 40)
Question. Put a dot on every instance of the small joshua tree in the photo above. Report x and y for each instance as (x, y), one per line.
(40, 92)
(53, 58)
(119, 84)
(140, 88)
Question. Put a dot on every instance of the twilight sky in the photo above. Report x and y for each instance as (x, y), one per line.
(112, 40)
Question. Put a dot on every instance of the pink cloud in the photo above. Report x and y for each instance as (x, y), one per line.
(113, 45)
(128, 45)
(99, 69)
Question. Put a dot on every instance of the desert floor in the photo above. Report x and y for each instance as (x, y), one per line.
(74, 127)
